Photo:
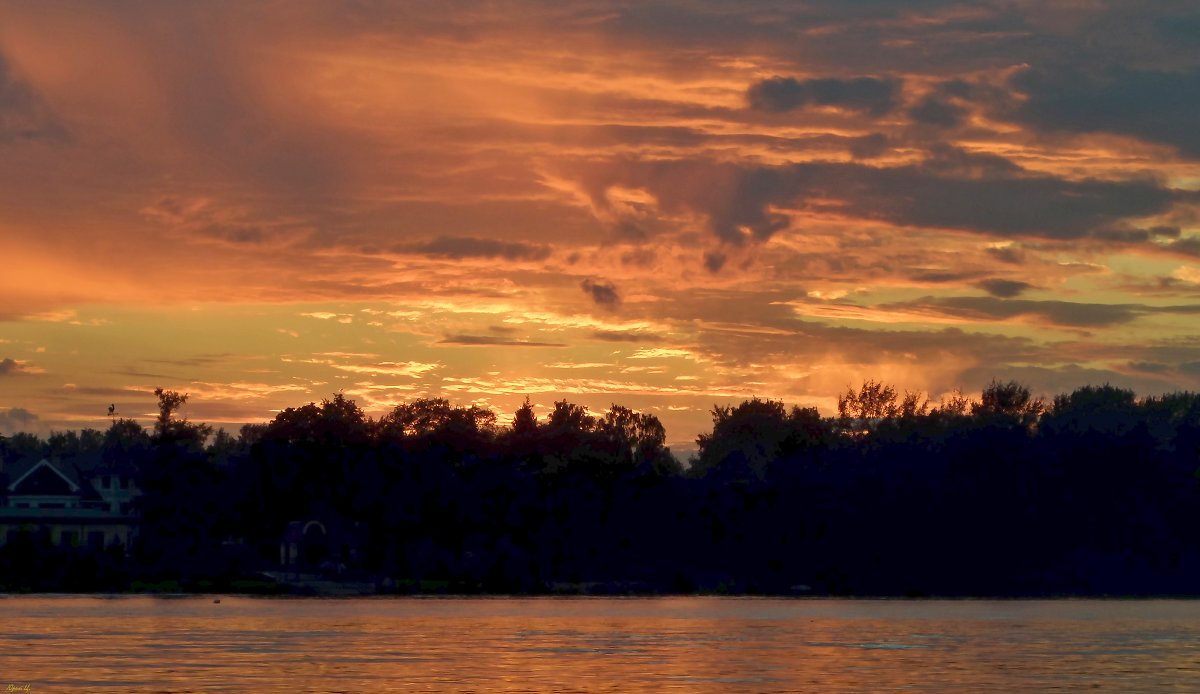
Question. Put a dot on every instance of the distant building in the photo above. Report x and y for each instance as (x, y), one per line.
(328, 545)
(304, 545)
(85, 502)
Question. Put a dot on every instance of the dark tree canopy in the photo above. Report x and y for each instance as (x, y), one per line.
(1008, 401)
(894, 495)
(169, 428)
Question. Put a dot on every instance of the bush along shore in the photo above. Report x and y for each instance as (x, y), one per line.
(1094, 492)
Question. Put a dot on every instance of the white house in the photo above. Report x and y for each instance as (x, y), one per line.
(57, 501)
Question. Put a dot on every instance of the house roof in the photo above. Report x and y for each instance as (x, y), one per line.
(62, 471)
(77, 481)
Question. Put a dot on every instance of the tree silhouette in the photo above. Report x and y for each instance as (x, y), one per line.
(1008, 402)
(747, 438)
(524, 420)
(861, 410)
(1096, 494)
(170, 429)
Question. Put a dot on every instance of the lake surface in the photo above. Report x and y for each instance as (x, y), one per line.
(242, 644)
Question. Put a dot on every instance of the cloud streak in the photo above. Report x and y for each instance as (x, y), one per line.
(491, 340)
(871, 95)
(463, 247)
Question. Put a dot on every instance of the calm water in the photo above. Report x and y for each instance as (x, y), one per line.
(136, 644)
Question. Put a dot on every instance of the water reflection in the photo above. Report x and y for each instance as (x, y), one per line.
(135, 644)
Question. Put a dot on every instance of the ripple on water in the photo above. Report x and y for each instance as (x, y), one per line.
(531, 645)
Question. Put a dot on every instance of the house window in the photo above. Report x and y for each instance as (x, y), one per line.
(96, 539)
(124, 482)
(105, 482)
(68, 537)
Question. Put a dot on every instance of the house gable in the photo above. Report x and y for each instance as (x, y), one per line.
(43, 479)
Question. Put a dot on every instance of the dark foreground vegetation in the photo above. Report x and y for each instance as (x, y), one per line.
(1093, 493)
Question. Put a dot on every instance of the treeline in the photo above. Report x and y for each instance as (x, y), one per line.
(1094, 492)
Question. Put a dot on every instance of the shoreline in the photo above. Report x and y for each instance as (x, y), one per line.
(609, 596)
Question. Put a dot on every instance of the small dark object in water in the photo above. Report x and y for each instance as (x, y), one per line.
(217, 601)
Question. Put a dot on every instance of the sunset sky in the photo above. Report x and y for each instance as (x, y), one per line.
(663, 205)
